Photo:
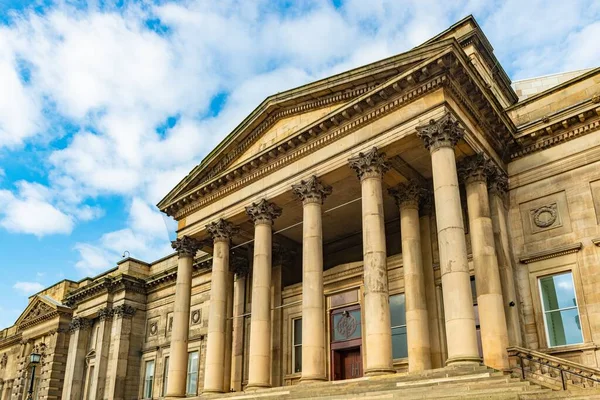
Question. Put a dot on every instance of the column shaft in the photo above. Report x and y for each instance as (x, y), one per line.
(378, 333)
(505, 264)
(178, 353)
(217, 319)
(437, 360)
(228, 336)
(417, 324)
(239, 301)
(494, 336)
(313, 303)
(259, 375)
(458, 303)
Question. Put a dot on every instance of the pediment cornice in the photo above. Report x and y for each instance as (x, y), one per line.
(39, 311)
(447, 68)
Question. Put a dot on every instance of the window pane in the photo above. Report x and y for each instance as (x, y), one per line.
(165, 377)
(398, 310)
(149, 379)
(558, 292)
(564, 327)
(399, 343)
(346, 325)
(192, 378)
(298, 359)
(298, 331)
(473, 290)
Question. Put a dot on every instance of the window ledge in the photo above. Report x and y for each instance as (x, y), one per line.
(556, 252)
(570, 348)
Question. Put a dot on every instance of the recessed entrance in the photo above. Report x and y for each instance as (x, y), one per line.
(346, 343)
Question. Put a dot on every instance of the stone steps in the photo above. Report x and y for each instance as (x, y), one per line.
(450, 383)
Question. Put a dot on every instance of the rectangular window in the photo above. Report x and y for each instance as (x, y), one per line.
(148, 379)
(476, 312)
(165, 377)
(192, 376)
(297, 353)
(398, 318)
(561, 315)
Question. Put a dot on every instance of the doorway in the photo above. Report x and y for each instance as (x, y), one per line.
(347, 364)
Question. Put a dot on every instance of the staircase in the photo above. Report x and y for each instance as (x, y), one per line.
(552, 372)
(451, 383)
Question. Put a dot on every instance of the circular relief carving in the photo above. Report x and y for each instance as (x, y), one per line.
(347, 325)
(196, 315)
(153, 328)
(545, 216)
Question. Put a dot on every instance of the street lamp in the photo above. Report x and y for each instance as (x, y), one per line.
(34, 360)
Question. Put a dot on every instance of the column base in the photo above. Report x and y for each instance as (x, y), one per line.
(379, 371)
(463, 360)
(312, 379)
(253, 387)
(212, 391)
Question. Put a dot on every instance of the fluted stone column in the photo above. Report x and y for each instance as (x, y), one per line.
(474, 171)
(497, 189)
(437, 359)
(186, 248)
(262, 213)
(370, 167)
(240, 267)
(214, 370)
(312, 193)
(440, 137)
(408, 196)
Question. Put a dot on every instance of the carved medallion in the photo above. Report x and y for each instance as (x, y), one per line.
(347, 325)
(196, 317)
(545, 216)
(153, 328)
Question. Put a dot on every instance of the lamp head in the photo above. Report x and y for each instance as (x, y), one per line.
(35, 358)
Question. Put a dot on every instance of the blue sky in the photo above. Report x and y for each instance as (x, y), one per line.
(106, 105)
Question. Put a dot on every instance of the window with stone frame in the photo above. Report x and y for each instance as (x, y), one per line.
(165, 380)
(297, 345)
(560, 309)
(398, 320)
(192, 375)
(148, 379)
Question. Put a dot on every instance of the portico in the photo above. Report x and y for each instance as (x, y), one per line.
(380, 178)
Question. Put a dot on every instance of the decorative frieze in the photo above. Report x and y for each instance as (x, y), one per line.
(263, 212)
(409, 194)
(371, 164)
(222, 230)
(186, 246)
(476, 168)
(79, 323)
(445, 132)
(311, 190)
(124, 311)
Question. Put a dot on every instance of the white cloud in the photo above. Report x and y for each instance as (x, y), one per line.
(28, 288)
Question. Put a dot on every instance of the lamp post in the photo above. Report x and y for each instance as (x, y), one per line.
(34, 360)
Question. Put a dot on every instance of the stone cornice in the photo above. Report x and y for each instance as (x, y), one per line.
(11, 340)
(168, 277)
(555, 252)
(105, 285)
(42, 318)
(438, 71)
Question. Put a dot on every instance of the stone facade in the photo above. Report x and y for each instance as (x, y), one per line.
(407, 215)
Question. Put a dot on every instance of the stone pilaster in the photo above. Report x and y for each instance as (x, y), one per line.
(498, 189)
(439, 138)
(263, 214)
(474, 171)
(79, 328)
(370, 167)
(186, 248)
(118, 371)
(214, 373)
(105, 318)
(408, 197)
(312, 193)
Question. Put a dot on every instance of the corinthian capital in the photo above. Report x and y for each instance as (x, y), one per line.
(263, 212)
(186, 246)
(444, 132)
(498, 183)
(408, 194)
(370, 164)
(475, 168)
(79, 323)
(222, 230)
(311, 190)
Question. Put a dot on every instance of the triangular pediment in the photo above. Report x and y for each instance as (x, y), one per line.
(38, 309)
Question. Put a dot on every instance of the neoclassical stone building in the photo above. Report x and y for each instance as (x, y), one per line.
(411, 214)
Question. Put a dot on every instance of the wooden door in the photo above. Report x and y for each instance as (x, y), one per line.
(351, 363)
